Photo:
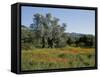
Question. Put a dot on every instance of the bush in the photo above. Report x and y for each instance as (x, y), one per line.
(62, 55)
(27, 46)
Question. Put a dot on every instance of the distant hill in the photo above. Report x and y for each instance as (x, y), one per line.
(74, 35)
(78, 35)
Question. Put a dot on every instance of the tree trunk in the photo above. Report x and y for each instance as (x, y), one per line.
(43, 42)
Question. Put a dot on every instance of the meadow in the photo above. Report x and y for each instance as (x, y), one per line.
(56, 58)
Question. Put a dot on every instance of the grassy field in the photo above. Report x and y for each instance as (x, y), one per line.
(48, 58)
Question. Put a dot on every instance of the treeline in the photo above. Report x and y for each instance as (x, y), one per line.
(82, 41)
(46, 32)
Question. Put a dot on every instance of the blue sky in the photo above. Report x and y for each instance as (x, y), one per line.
(79, 21)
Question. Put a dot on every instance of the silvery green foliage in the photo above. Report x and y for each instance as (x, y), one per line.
(47, 28)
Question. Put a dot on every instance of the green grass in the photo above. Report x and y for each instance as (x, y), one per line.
(48, 58)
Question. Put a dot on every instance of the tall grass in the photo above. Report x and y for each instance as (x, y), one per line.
(48, 58)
